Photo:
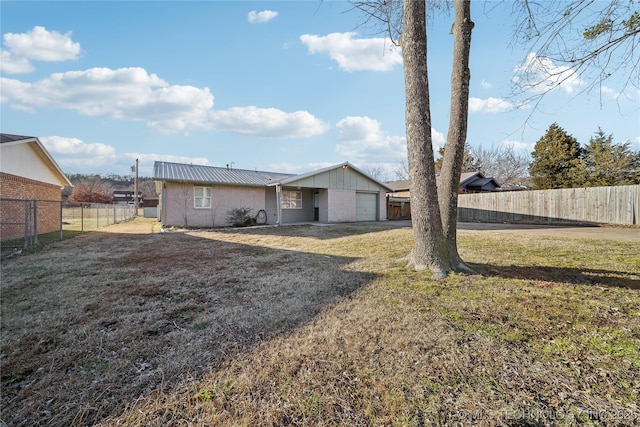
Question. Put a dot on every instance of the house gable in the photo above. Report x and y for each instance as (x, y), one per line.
(26, 157)
(340, 177)
(477, 182)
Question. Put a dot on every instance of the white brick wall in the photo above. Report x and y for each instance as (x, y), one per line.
(382, 207)
(342, 205)
(179, 204)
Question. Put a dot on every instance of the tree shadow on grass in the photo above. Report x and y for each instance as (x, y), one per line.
(584, 276)
(318, 230)
(92, 323)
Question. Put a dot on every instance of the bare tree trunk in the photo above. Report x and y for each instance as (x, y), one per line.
(457, 134)
(429, 249)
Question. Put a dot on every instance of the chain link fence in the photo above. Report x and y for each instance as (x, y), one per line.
(25, 223)
(88, 217)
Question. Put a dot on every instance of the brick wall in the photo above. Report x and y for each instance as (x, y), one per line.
(341, 205)
(48, 198)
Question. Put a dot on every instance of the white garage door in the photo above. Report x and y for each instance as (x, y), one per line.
(366, 206)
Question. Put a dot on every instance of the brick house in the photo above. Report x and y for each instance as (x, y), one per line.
(28, 173)
(201, 196)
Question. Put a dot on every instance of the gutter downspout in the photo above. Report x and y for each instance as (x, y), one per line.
(278, 205)
(163, 199)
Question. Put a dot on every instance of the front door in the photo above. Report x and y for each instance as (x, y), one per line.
(316, 206)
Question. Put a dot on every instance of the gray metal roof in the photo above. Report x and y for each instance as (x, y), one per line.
(180, 172)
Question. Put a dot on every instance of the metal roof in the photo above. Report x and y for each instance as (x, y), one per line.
(180, 172)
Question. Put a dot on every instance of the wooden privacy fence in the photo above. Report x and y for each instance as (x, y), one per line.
(398, 208)
(594, 205)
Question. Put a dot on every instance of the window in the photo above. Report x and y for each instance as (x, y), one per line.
(202, 197)
(291, 200)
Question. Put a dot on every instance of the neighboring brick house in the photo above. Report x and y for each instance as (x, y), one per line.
(28, 173)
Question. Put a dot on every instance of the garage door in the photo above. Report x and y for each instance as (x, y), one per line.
(366, 206)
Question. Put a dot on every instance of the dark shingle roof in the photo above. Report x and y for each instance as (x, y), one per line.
(179, 172)
(7, 137)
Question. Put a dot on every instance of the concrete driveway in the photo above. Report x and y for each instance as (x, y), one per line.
(603, 232)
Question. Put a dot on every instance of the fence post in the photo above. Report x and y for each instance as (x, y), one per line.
(35, 222)
(82, 218)
(61, 235)
(27, 207)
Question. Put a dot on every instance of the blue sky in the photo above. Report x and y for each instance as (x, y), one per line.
(287, 86)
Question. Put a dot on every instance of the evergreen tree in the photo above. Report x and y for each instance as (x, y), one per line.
(557, 160)
(607, 163)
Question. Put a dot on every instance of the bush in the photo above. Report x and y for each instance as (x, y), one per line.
(240, 217)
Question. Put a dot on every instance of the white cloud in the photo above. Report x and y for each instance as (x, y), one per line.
(76, 156)
(517, 145)
(268, 122)
(297, 168)
(606, 90)
(485, 84)
(375, 54)
(65, 145)
(489, 105)
(361, 139)
(39, 44)
(12, 64)
(437, 139)
(256, 17)
(540, 74)
(146, 161)
(134, 94)
(125, 93)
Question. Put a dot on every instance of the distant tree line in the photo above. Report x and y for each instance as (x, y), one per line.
(94, 188)
(558, 161)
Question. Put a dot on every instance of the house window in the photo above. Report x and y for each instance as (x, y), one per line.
(202, 197)
(291, 200)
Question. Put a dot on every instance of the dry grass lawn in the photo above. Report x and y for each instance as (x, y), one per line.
(310, 325)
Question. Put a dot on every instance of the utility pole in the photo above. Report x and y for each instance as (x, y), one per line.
(135, 186)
